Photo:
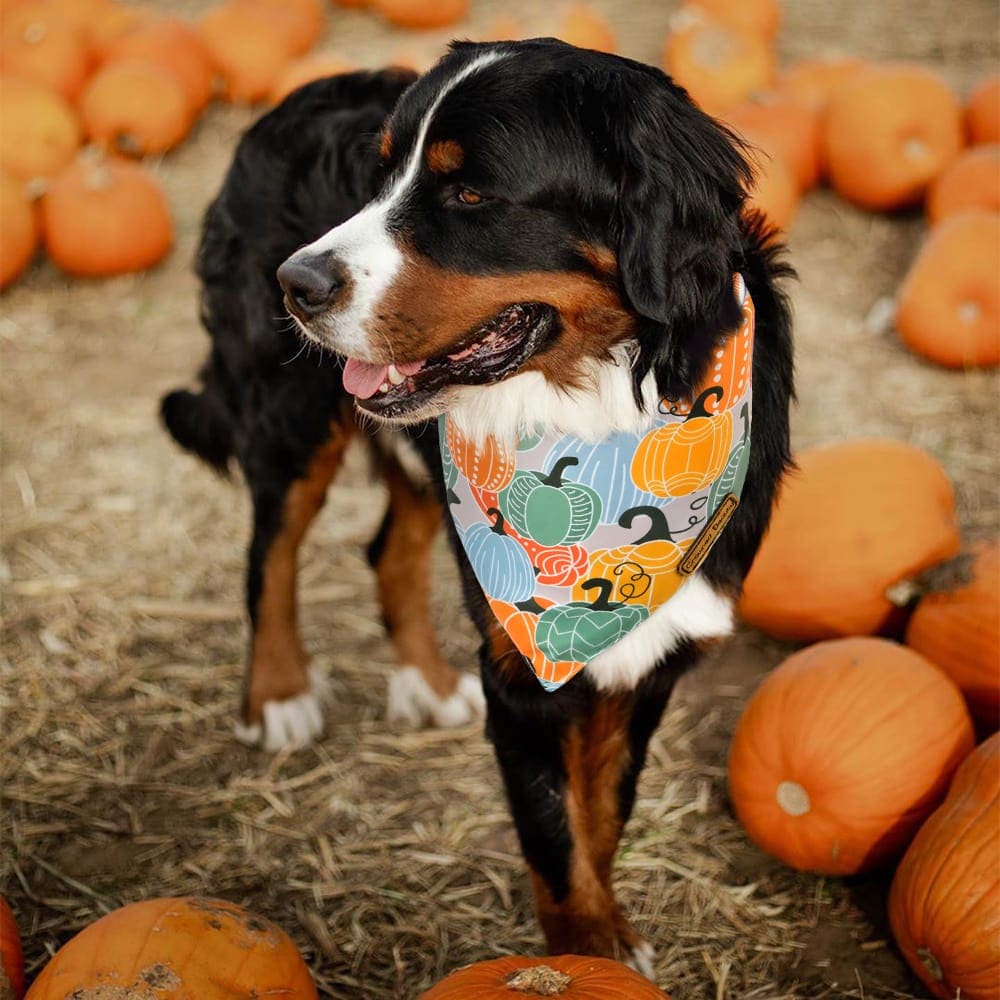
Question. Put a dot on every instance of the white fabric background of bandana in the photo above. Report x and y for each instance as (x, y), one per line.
(575, 543)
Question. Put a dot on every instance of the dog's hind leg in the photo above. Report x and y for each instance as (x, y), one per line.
(424, 689)
(281, 701)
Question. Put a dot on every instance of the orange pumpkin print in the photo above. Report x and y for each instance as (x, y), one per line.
(489, 465)
(643, 572)
(678, 459)
(520, 624)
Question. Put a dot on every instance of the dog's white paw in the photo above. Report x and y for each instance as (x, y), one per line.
(291, 723)
(642, 959)
(413, 701)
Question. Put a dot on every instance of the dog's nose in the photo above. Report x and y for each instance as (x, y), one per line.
(310, 284)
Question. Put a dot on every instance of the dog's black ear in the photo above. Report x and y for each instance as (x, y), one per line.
(682, 183)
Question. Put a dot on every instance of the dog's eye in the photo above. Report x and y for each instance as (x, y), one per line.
(469, 197)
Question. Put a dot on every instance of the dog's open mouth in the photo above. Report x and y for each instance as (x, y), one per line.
(492, 352)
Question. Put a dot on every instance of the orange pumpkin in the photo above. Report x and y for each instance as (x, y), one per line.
(784, 128)
(299, 22)
(18, 229)
(489, 465)
(944, 904)
(775, 191)
(888, 133)
(569, 977)
(972, 181)
(41, 132)
(174, 46)
(422, 13)
(302, 71)
(136, 107)
(38, 45)
(586, 28)
(758, 17)
(189, 946)
(982, 112)
(815, 81)
(11, 955)
(853, 519)
(246, 52)
(504, 29)
(843, 751)
(104, 216)
(677, 459)
(115, 22)
(958, 629)
(948, 308)
(718, 65)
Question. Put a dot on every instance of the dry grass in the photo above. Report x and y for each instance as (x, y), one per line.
(390, 856)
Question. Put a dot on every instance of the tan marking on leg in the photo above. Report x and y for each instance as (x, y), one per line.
(278, 660)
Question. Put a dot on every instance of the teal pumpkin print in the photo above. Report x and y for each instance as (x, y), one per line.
(579, 631)
(548, 510)
(735, 473)
(529, 441)
(501, 565)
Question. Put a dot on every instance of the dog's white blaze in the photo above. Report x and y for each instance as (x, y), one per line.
(366, 248)
(696, 611)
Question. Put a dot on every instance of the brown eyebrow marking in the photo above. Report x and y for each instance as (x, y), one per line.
(445, 157)
(385, 146)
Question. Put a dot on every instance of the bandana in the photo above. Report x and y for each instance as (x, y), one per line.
(576, 543)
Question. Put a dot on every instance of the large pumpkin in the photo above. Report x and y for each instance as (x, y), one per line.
(488, 464)
(500, 563)
(958, 629)
(843, 751)
(569, 977)
(190, 946)
(679, 458)
(944, 904)
(948, 307)
(11, 955)
(852, 520)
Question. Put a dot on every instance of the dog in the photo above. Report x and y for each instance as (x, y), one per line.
(536, 240)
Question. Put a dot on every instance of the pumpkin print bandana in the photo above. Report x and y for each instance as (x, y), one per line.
(575, 543)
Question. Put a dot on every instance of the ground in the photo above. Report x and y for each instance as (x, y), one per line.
(389, 856)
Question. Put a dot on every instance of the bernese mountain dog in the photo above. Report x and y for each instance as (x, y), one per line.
(531, 239)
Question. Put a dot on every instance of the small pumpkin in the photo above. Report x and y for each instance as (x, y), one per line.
(114, 22)
(570, 977)
(299, 22)
(136, 107)
(814, 81)
(948, 308)
(188, 946)
(758, 17)
(422, 13)
(972, 181)
(18, 229)
(944, 903)
(11, 955)
(499, 562)
(36, 44)
(578, 631)
(958, 630)
(982, 112)
(504, 29)
(489, 464)
(105, 216)
(717, 64)
(548, 510)
(677, 459)
(775, 192)
(41, 132)
(640, 573)
(174, 46)
(302, 71)
(587, 29)
(843, 751)
(888, 133)
(853, 519)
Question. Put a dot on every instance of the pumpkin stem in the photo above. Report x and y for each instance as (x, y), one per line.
(659, 530)
(498, 524)
(698, 409)
(554, 478)
(539, 981)
(530, 605)
(603, 601)
(745, 416)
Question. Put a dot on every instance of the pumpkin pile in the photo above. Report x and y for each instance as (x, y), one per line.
(188, 946)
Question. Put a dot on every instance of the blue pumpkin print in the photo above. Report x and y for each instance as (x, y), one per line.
(606, 468)
(500, 564)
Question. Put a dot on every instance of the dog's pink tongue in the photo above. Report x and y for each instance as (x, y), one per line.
(362, 379)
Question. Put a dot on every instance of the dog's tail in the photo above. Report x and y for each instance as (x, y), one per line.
(199, 424)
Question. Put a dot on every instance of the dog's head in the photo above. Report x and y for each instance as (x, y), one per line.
(541, 203)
